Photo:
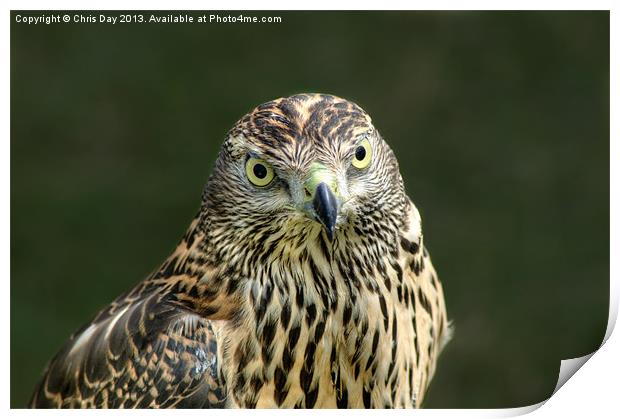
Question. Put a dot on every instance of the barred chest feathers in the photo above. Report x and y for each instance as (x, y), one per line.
(331, 327)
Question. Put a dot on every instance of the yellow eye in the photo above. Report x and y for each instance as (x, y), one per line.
(363, 155)
(258, 171)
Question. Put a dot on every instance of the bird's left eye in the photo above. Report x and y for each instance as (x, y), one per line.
(259, 171)
(363, 155)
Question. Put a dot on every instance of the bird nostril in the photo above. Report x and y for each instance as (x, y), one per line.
(307, 192)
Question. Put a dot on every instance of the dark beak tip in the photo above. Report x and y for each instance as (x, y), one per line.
(326, 207)
(330, 234)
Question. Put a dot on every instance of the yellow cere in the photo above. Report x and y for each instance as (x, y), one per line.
(363, 155)
(259, 171)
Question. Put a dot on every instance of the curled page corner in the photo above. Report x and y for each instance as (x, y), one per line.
(568, 368)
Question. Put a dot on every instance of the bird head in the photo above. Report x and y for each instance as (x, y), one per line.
(301, 168)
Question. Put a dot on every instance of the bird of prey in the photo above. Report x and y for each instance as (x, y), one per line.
(302, 282)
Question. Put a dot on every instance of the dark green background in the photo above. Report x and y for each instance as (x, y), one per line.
(500, 122)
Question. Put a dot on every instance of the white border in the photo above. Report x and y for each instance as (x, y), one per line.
(594, 389)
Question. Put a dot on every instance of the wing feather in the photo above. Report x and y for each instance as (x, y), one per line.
(137, 353)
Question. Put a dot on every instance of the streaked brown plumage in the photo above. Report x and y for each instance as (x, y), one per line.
(302, 282)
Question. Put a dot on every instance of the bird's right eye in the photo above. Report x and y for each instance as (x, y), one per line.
(259, 172)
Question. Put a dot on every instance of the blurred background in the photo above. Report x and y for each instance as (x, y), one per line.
(500, 121)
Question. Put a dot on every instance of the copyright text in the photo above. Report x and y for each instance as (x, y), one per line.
(144, 18)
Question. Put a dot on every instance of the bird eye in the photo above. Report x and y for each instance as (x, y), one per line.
(363, 154)
(258, 171)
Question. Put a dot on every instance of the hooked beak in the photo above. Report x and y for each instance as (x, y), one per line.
(322, 198)
(326, 208)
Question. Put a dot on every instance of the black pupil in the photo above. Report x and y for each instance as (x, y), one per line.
(260, 171)
(360, 153)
